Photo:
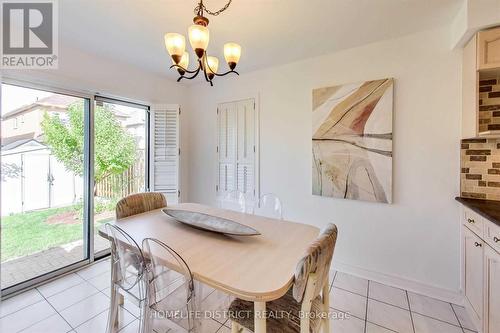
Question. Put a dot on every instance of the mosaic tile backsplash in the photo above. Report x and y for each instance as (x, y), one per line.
(489, 104)
(480, 174)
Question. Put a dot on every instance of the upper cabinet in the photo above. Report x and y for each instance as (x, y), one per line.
(488, 49)
(481, 85)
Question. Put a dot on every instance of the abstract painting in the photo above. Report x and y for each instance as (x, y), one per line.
(352, 141)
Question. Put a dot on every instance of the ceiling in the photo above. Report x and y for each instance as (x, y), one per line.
(270, 32)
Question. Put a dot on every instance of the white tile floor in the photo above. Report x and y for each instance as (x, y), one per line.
(79, 303)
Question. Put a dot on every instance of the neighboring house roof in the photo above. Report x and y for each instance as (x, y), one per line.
(60, 101)
(16, 144)
(120, 114)
(54, 101)
(135, 124)
(8, 140)
(19, 143)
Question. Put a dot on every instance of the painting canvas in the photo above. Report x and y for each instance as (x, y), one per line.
(352, 141)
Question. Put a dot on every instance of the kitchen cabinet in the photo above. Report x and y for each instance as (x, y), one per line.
(481, 63)
(481, 270)
(473, 267)
(492, 290)
(488, 48)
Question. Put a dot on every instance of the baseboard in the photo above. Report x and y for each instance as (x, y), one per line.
(446, 295)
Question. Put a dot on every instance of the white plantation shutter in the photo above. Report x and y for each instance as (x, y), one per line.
(236, 147)
(227, 147)
(165, 151)
(246, 146)
(245, 178)
(226, 176)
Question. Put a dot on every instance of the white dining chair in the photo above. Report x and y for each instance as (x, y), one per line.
(127, 275)
(269, 205)
(235, 200)
(171, 294)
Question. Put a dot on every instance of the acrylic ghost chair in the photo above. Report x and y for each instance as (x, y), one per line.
(306, 303)
(122, 251)
(170, 290)
(269, 205)
(127, 274)
(235, 200)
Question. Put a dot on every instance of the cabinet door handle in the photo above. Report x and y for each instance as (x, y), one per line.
(478, 244)
(496, 239)
(471, 221)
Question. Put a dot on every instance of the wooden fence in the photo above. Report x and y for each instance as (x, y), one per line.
(128, 182)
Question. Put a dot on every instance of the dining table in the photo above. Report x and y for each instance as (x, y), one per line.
(257, 268)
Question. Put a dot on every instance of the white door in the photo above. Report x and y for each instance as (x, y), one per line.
(246, 150)
(492, 284)
(236, 149)
(227, 121)
(36, 180)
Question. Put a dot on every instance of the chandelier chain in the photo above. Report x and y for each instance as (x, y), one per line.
(201, 8)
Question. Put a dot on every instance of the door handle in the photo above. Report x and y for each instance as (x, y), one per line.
(496, 239)
(471, 221)
(478, 244)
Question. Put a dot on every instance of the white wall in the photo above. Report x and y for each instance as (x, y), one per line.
(82, 72)
(417, 237)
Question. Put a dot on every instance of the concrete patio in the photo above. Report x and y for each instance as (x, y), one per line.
(24, 268)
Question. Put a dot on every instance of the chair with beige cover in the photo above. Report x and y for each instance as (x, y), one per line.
(139, 203)
(308, 295)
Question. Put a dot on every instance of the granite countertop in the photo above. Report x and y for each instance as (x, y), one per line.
(488, 209)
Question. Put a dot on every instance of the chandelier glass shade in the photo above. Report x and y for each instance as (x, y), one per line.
(184, 63)
(176, 45)
(232, 54)
(199, 37)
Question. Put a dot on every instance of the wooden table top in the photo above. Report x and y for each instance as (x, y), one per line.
(254, 268)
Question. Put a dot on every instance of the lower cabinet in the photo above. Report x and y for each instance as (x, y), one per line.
(492, 290)
(473, 264)
(481, 274)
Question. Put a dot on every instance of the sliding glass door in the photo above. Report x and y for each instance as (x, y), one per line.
(43, 144)
(120, 158)
(65, 162)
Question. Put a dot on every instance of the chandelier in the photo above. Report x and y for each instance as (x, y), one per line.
(198, 35)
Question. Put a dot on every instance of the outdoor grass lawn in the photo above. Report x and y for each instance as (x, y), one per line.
(27, 233)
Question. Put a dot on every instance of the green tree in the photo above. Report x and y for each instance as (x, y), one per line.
(114, 148)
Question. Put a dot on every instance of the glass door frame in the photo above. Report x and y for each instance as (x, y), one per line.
(88, 178)
(124, 102)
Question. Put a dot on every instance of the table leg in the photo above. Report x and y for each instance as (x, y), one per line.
(121, 299)
(260, 317)
(235, 328)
